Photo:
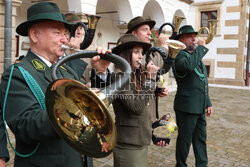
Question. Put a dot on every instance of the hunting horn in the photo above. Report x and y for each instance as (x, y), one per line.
(79, 115)
(89, 31)
(210, 30)
(178, 21)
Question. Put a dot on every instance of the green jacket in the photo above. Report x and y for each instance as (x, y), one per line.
(29, 123)
(4, 153)
(134, 112)
(78, 65)
(192, 85)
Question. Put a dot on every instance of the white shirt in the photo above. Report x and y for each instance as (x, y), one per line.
(49, 64)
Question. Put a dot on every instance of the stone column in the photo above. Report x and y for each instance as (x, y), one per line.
(15, 4)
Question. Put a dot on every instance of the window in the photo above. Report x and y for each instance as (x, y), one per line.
(205, 16)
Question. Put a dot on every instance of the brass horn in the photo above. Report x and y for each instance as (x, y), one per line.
(174, 47)
(210, 30)
(79, 115)
(178, 21)
(89, 31)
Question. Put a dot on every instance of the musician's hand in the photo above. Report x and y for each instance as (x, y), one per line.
(209, 111)
(2, 162)
(201, 41)
(99, 64)
(163, 93)
(165, 117)
(152, 70)
(162, 143)
(95, 90)
(105, 147)
(162, 38)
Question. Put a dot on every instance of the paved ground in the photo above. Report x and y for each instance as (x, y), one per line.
(228, 132)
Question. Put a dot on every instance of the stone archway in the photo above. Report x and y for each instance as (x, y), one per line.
(153, 10)
(181, 14)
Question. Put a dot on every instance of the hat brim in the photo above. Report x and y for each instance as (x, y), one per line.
(23, 28)
(179, 35)
(118, 49)
(151, 24)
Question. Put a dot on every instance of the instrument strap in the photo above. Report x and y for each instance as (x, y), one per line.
(202, 75)
(38, 93)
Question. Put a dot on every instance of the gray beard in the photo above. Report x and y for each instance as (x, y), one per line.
(191, 48)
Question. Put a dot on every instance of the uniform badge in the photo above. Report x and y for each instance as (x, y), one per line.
(63, 68)
(38, 64)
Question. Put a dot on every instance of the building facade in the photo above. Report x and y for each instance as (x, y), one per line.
(225, 61)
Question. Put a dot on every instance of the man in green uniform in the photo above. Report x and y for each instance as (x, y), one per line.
(26, 117)
(192, 102)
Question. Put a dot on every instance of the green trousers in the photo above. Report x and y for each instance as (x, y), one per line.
(191, 129)
(130, 156)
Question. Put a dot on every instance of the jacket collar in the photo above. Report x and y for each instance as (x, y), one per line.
(39, 65)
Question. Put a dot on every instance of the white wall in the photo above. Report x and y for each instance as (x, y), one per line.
(220, 42)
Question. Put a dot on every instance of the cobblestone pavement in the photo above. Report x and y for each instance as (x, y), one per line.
(228, 133)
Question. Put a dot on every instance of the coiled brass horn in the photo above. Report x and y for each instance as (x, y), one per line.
(174, 47)
(79, 115)
(89, 31)
(178, 21)
(210, 30)
(92, 23)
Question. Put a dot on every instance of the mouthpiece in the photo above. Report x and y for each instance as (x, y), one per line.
(64, 48)
(140, 62)
(150, 38)
(195, 43)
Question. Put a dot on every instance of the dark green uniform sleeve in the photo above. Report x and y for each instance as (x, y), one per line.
(4, 153)
(23, 113)
(186, 62)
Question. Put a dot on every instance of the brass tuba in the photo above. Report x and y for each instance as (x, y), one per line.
(79, 115)
(178, 21)
(210, 30)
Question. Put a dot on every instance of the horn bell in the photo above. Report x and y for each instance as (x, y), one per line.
(81, 117)
(210, 30)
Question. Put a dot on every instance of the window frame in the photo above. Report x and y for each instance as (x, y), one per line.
(209, 13)
(204, 7)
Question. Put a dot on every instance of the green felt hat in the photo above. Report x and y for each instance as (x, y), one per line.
(39, 12)
(186, 29)
(138, 21)
(129, 41)
(71, 17)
